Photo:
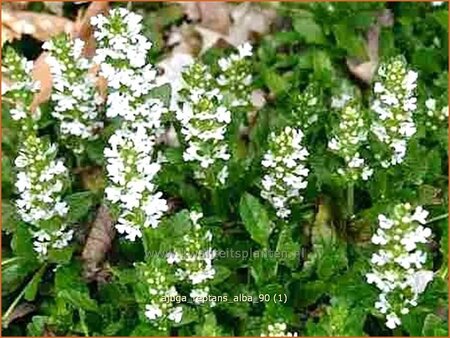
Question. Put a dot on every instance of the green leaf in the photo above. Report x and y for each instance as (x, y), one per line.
(60, 256)
(434, 326)
(222, 273)
(263, 267)
(209, 327)
(309, 30)
(350, 41)
(144, 330)
(37, 326)
(309, 292)
(32, 287)
(255, 219)
(322, 65)
(79, 205)
(163, 93)
(22, 242)
(288, 249)
(275, 82)
(10, 218)
(15, 273)
(78, 299)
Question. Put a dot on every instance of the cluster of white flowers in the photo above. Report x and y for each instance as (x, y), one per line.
(286, 173)
(278, 330)
(194, 259)
(204, 120)
(40, 182)
(121, 53)
(40, 176)
(19, 94)
(435, 118)
(398, 266)
(131, 157)
(394, 105)
(160, 311)
(348, 138)
(74, 91)
(131, 170)
(236, 77)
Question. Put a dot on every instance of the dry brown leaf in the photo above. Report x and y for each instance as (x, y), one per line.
(248, 20)
(20, 311)
(39, 25)
(365, 71)
(15, 5)
(98, 242)
(209, 14)
(8, 35)
(190, 8)
(83, 28)
(55, 7)
(41, 74)
(215, 16)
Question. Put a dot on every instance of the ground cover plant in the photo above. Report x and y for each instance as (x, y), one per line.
(225, 169)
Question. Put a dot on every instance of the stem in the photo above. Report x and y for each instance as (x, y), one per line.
(350, 198)
(10, 260)
(5, 318)
(437, 218)
(83, 322)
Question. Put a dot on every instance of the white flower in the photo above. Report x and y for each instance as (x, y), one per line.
(347, 139)
(278, 330)
(394, 104)
(420, 215)
(245, 50)
(419, 280)
(40, 181)
(176, 314)
(130, 167)
(392, 320)
(75, 93)
(194, 257)
(430, 104)
(152, 312)
(285, 170)
(384, 222)
(397, 267)
(340, 101)
(204, 119)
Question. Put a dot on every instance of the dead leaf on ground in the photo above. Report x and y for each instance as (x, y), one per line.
(20, 311)
(215, 16)
(83, 28)
(15, 5)
(41, 74)
(223, 24)
(365, 71)
(248, 20)
(39, 25)
(55, 7)
(98, 243)
(211, 15)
